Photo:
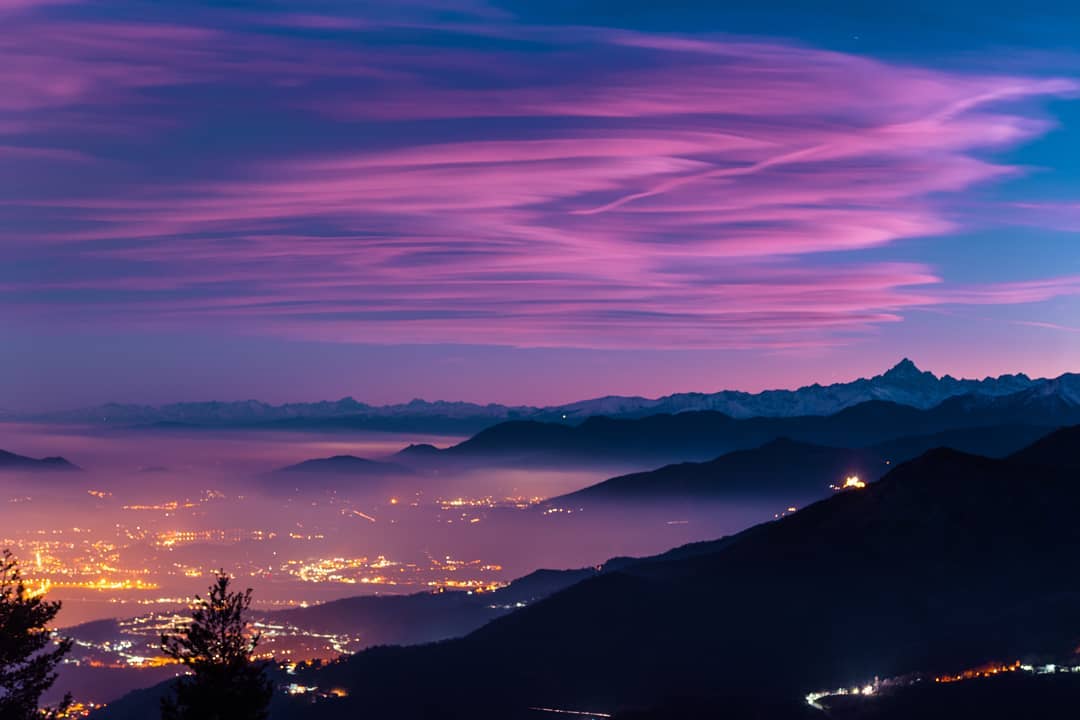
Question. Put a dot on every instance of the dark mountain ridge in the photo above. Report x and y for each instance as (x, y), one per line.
(780, 468)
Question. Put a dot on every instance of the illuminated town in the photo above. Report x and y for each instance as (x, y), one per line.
(131, 556)
(156, 554)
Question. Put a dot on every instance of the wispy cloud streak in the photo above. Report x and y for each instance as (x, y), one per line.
(489, 182)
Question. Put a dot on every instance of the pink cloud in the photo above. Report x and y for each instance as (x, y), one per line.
(1015, 293)
(693, 196)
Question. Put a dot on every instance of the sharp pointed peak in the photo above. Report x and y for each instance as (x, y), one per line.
(904, 368)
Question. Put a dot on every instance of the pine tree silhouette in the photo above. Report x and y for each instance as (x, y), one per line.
(225, 683)
(27, 663)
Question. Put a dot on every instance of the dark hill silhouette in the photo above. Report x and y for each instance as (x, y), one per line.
(11, 461)
(948, 561)
(96, 631)
(340, 472)
(996, 441)
(419, 450)
(344, 465)
(781, 468)
(1060, 449)
(427, 617)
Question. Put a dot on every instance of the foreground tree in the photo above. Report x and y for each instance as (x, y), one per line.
(225, 683)
(28, 655)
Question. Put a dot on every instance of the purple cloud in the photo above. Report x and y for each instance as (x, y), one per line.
(618, 190)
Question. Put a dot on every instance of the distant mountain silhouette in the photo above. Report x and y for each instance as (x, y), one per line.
(781, 468)
(699, 436)
(344, 414)
(11, 461)
(904, 384)
(948, 561)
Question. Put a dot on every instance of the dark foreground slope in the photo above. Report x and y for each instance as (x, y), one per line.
(1012, 696)
(948, 561)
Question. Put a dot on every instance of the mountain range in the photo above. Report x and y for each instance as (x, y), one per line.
(904, 384)
(1012, 420)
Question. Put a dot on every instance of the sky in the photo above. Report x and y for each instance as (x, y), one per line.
(526, 202)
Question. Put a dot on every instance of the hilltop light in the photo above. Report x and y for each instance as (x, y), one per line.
(853, 482)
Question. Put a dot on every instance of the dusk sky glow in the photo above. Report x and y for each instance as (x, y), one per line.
(477, 201)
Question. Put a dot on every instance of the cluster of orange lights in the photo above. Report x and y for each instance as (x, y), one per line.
(140, 662)
(984, 671)
(100, 584)
(851, 482)
(478, 586)
(80, 710)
